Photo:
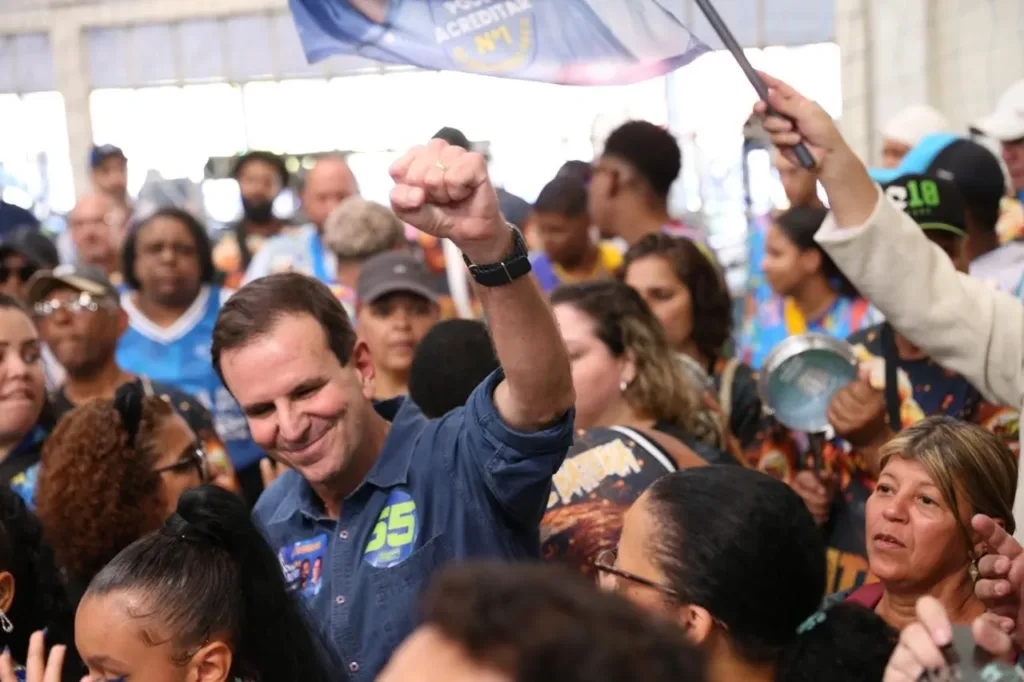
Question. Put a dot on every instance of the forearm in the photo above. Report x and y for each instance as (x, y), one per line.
(852, 193)
(537, 389)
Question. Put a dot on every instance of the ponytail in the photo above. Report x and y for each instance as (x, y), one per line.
(209, 571)
(846, 643)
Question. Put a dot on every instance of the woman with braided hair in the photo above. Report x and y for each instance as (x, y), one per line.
(111, 472)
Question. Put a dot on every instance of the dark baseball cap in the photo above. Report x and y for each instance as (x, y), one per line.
(100, 153)
(934, 203)
(35, 246)
(86, 278)
(973, 168)
(393, 272)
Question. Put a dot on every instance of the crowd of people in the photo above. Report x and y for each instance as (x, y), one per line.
(276, 454)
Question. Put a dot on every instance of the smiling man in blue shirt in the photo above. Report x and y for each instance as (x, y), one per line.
(378, 496)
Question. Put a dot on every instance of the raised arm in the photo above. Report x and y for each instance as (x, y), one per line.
(962, 323)
(445, 191)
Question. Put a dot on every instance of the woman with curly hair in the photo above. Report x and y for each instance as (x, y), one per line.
(112, 471)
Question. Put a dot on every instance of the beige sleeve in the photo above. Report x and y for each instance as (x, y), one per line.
(962, 323)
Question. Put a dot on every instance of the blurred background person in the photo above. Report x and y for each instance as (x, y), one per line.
(80, 317)
(811, 294)
(108, 173)
(26, 417)
(328, 183)
(630, 184)
(450, 361)
(216, 605)
(1005, 124)
(799, 184)
(397, 307)
(96, 233)
(688, 295)
(172, 305)
(112, 471)
(907, 128)
(356, 230)
(261, 176)
(562, 226)
(23, 252)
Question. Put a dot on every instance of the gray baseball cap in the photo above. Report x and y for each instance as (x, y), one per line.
(87, 278)
(393, 272)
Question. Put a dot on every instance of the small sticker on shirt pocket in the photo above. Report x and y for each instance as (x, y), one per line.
(394, 535)
(303, 564)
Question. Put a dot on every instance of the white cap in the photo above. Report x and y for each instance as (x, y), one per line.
(1006, 123)
(914, 123)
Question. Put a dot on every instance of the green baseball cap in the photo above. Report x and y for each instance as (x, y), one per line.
(934, 203)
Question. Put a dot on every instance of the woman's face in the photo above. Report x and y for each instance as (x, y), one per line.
(179, 465)
(633, 556)
(912, 535)
(22, 382)
(785, 265)
(667, 297)
(114, 642)
(167, 262)
(596, 373)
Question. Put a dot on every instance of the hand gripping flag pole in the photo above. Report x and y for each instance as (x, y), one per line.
(803, 155)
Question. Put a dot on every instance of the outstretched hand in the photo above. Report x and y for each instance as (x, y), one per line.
(37, 667)
(445, 191)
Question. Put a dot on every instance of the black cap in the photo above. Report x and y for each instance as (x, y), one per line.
(393, 272)
(29, 242)
(974, 169)
(454, 137)
(266, 157)
(933, 202)
(102, 152)
(87, 278)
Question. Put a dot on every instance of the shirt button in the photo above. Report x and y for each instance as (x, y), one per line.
(353, 666)
(340, 600)
(344, 535)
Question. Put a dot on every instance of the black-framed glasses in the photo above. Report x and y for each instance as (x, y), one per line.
(608, 575)
(194, 456)
(24, 272)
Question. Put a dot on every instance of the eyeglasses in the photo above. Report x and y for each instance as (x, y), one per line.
(608, 575)
(24, 272)
(194, 456)
(84, 302)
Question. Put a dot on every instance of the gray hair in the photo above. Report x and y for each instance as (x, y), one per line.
(358, 229)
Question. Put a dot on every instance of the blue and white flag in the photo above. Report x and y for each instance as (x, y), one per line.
(574, 42)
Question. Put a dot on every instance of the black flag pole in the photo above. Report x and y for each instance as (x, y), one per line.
(803, 155)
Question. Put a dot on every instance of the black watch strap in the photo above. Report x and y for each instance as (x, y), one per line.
(515, 265)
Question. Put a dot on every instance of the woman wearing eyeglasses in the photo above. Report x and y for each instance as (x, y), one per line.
(734, 557)
(111, 472)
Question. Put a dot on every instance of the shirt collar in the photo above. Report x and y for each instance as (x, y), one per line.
(390, 470)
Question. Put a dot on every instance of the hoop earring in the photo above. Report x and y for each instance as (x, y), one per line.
(5, 623)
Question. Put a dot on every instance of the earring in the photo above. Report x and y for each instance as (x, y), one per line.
(5, 623)
(623, 385)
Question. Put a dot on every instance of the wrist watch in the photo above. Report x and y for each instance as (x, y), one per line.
(512, 267)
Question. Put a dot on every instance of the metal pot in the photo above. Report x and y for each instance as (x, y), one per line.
(800, 376)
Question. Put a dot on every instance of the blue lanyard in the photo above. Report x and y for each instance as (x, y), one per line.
(319, 258)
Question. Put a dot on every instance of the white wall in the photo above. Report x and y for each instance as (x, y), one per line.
(956, 55)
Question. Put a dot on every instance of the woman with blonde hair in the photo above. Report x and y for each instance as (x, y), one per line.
(935, 475)
(639, 416)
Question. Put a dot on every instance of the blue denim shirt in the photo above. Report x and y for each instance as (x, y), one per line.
(462, 486)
